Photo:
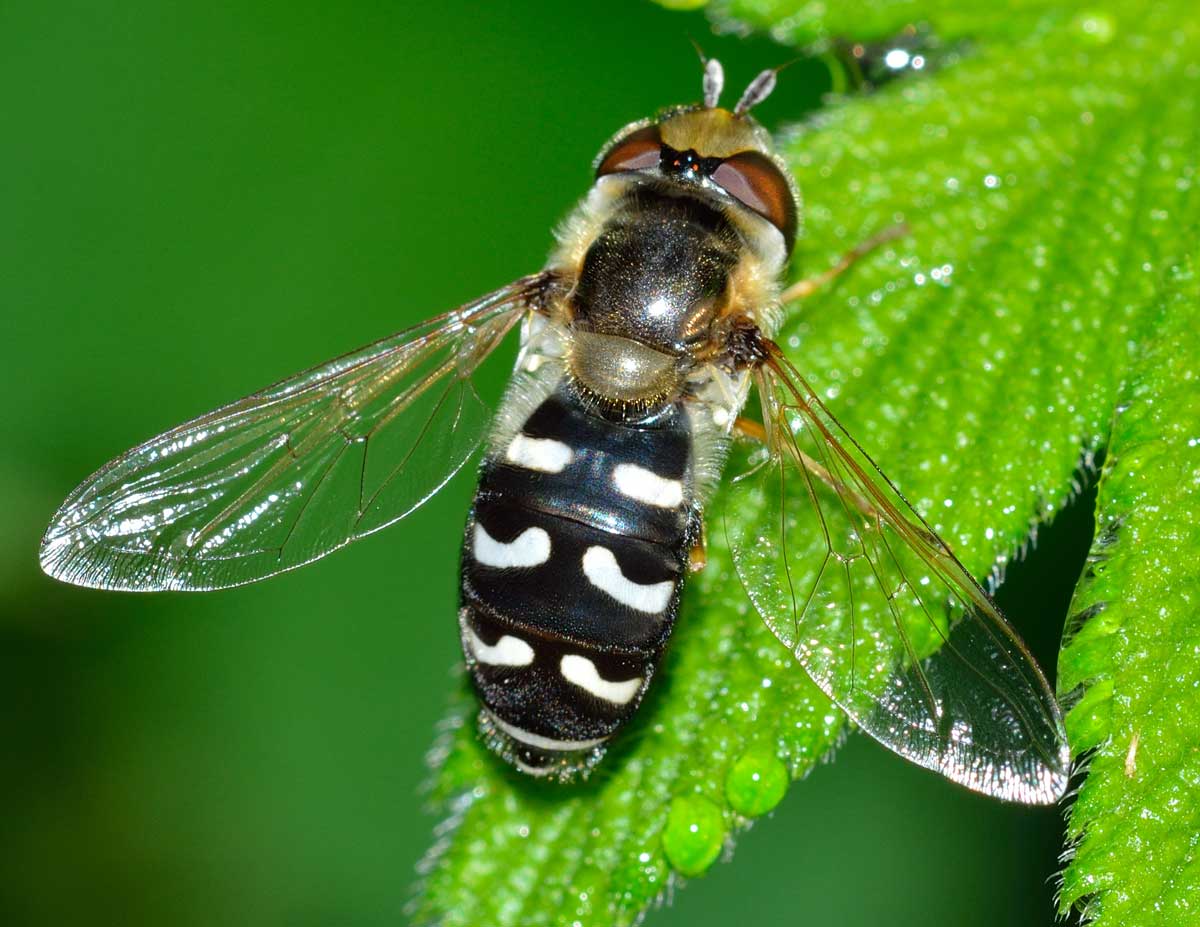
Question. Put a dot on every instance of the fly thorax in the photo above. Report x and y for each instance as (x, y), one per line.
(652, 286)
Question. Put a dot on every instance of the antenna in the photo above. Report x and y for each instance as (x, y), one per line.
(760, 88)
(714, 78)
(714, 82)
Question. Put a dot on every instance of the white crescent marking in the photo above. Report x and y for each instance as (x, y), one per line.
(537, 771)
(644, 486)
(542, 454)
(582, 672)
(601, 567)
(530, 548)
(508, 651)
(542, 743)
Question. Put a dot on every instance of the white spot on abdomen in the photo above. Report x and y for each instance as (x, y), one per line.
(530, 548)
(508, 651)
(644, 486)
(536, 771)
(601, 567)
(582, 672)
(531, 739)
(542, 454)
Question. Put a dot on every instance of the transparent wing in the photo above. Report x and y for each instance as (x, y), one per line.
(293, 472)
(880, 613)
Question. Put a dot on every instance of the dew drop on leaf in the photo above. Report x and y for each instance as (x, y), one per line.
(756, 783)
(694, 834)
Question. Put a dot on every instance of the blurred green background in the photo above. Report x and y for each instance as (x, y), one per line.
(201, 198)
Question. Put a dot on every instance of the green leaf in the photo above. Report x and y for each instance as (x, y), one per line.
(1137, 817)
(815, 23)
(1047, 175)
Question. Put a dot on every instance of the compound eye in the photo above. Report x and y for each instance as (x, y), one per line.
(637, 151)
(753, 180)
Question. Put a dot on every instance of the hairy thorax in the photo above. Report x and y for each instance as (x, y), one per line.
(657, 279)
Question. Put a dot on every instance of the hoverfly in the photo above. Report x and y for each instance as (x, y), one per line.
(640, 343)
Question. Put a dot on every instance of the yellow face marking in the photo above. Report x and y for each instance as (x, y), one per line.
(711, 133)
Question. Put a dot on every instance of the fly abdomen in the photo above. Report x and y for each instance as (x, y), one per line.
(573, 563)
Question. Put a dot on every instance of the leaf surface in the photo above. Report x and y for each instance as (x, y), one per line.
(1047, 174)
(1136, 653)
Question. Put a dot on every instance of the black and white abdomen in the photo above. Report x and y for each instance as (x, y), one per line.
(573, 563)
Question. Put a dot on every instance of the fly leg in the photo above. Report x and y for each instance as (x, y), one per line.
(806, 287)
(750, 429)
(698, 555)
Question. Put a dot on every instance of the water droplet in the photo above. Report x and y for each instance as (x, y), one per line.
(1097, 26)
(694, 834)
(757, 782)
